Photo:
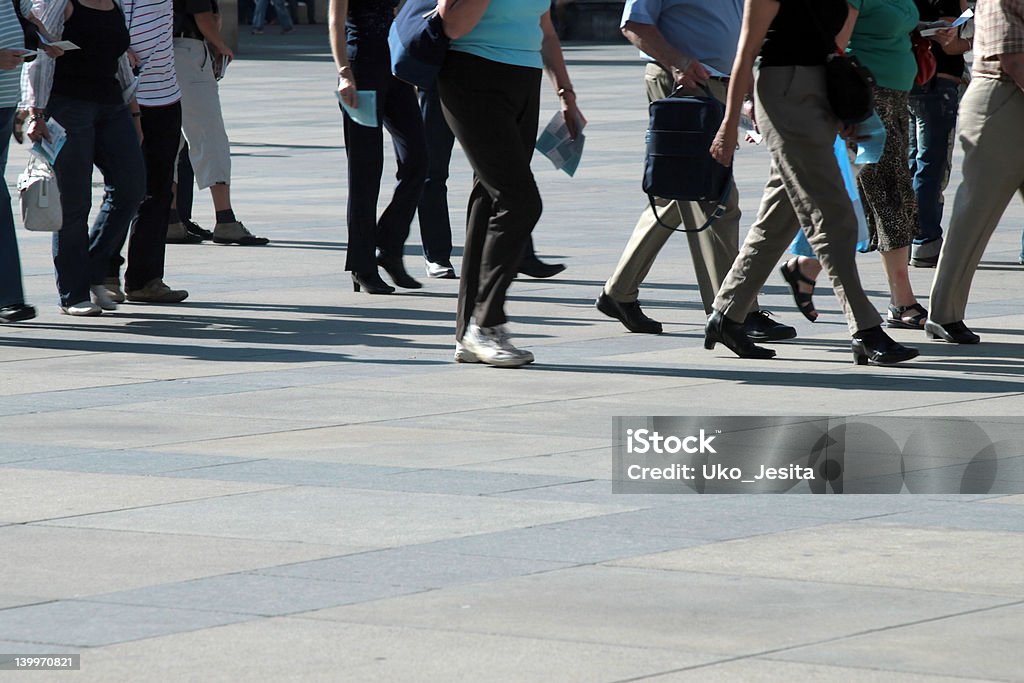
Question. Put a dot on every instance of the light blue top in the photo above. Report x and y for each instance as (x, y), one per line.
(509, 32)
(707, 30)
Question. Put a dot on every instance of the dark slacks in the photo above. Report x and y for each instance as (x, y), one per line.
(493, 109)
(161, 131)
(399, 112)
(435, 222)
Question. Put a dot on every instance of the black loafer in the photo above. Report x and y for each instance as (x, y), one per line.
(628, 313)
(536, 268)
(954, 333)
(720, 329)
(760, 327)
(874, 347)
(16, 313)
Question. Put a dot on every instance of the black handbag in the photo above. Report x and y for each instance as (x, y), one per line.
(850, 85)
(678, 163)
(418, 43)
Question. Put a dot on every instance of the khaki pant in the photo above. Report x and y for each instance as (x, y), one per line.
(201, 120)
(713, 250)
(804, 187)
(992, 136)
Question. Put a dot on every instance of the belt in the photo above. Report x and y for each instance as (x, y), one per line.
(182, 34)
(720, 79)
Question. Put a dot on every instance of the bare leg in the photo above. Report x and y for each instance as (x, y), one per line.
(896, 270)
(221, 193)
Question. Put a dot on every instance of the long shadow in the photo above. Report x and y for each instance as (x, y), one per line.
(410, 249)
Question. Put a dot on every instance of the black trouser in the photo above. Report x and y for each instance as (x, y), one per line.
(161, 131)
(435, 223)
(399, 112)
(493, 108)
(186, 186)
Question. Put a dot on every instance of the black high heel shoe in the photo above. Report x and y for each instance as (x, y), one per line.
(729, 332)
(874, 347)
(398, 274)
(371, 282)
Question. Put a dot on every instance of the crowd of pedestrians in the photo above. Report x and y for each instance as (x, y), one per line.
(147, 72)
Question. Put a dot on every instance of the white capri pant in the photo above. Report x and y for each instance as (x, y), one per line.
(201, 120)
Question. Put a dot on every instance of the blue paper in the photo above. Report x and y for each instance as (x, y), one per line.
(365, 114)
(870, 148)
(556, 144)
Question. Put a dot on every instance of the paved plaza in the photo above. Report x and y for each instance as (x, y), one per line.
(281, 479)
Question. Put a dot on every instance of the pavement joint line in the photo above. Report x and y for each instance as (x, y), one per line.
(826, 641)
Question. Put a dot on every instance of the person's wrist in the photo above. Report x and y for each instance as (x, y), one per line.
(566, 93)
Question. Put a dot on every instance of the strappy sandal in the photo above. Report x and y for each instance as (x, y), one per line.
(804, 300)
(910, 317)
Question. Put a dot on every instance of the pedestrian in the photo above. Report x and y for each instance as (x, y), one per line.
(991, 135)
(85, 91)
(687, 45)
(490, 92)
(805, 186)
(259, 17)
(359, 42)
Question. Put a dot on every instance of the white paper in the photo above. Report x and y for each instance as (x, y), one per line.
(932, 28)
(557, 145)
(47, 150)
(65, 45)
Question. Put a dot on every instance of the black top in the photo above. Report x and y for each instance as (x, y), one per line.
(799, 38)
(185, 23)
(933, 10)
(90, 73)
(366, 28)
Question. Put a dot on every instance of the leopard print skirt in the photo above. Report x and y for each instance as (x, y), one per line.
(886, 188)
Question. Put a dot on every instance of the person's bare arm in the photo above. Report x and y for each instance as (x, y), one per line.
(554, 63)
(685, 70)
(209, 26)
(1012, 65)
(843, 37)
(462, 16)
(336, 16)
(757, 18)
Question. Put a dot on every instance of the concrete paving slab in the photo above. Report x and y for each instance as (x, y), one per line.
(760, 670)
(974, 562)
(69, 563)
(649, 608)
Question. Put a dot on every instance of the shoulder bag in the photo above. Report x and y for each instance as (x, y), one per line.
(39, 197)
(849, 84)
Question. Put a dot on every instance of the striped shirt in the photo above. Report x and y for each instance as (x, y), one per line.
(998, 30)
(11, 35)
(150, 23)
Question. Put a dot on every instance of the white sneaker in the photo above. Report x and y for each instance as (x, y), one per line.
(114, 291)
(81, 308)
(464, 355)
(491, 345)
(439, 271)
(101, 297)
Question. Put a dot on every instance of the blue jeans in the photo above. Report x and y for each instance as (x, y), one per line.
(10, 265)
(259, 15)
(933, 112)
(102, 135)
(435, 222)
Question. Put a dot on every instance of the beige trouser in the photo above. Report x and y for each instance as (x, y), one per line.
(713, 249)
(201, 120)
(992, 136)
(804, 187)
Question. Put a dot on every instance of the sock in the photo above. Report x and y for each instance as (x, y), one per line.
(226, 216)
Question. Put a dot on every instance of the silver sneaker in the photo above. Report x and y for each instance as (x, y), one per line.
(114, 291)
(439, 271)
(491, 345)
(101, 297)
(82, 308)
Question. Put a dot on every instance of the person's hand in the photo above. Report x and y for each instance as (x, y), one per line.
(347, 87)
(9, 59)
(691, 76)
(949, 40)
(220, 49)
(723, 147)
(749, 112)
(52, 51)
(38, 131)
(851, 134)
(133, 59)
(574, 119)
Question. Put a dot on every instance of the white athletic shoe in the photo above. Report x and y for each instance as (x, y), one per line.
(491, 345)
(101, 297)
(464, 355)
(81, 308)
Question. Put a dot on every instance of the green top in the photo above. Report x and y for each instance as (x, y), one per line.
(881, 40)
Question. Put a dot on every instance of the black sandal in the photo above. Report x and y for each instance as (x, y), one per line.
(804, 300)
(898, 317)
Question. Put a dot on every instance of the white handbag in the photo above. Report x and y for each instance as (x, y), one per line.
(39, 197)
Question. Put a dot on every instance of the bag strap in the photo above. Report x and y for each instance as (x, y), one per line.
(720, 206)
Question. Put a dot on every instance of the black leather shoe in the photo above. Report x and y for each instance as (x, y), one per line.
(193, 228)
(874, 347)
(760, 327)
(954, 333)
(536, 268)
(729, 332)
(371, 282)
(398, 274)
(16, 313)
(628, 313)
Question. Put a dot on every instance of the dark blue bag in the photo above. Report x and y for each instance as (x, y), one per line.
(679, 164)
(418, 43)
